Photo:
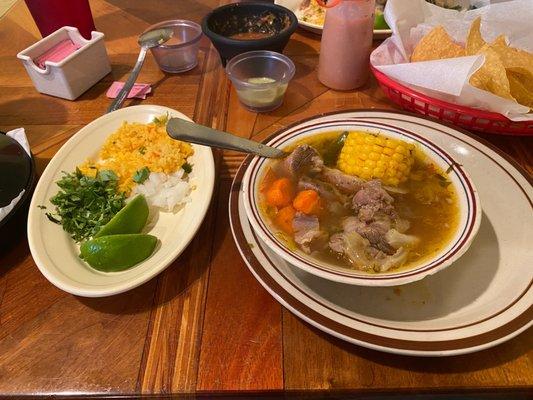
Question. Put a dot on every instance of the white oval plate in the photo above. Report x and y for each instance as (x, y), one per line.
(294, 5)
(483, 299)
(56, 254)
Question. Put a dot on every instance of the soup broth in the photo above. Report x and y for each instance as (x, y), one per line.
(421, 213)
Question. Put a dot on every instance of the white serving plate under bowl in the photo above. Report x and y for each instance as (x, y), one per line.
(482, 300)
(469, 205)
(56, 254)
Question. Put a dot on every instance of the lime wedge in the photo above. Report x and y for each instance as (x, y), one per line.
(379, 21)
(117, 252)
(131, 219)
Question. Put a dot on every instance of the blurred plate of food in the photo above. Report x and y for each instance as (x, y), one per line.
(118, 203)
(311, 16)
(483, 299)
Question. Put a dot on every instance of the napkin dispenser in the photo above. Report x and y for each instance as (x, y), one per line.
(72, 75)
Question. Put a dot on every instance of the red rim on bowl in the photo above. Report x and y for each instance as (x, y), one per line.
(466, 117)
(470, 210)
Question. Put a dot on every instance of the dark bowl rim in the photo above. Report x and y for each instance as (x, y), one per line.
(288, 31)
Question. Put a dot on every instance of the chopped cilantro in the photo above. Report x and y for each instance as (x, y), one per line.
(141, 175)
(106, 175)
(142, 150)
(51, 218)
(84, 204)
(442, 180)
(42, 207)
(161, 120)
(187, 167)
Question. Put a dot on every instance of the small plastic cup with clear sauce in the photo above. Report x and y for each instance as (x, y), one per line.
(260, 78)
(180, 52)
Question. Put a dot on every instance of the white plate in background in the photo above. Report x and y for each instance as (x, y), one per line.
(294, 6)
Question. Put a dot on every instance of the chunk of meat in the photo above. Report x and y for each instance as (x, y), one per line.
(306, 231)
(374, 232)
(303, 159)
(346, 184)
(336, 243)
(373, 199)
(352, 224)
(326, 191)
(382, 222)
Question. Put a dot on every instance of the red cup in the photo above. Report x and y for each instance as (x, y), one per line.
(50, 15)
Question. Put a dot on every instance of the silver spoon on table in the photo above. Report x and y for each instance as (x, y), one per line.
(186, 131)
(147, 40)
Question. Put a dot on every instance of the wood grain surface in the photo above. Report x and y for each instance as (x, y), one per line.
(204, 325)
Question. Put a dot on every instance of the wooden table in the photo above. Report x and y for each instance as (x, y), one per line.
(204, 325)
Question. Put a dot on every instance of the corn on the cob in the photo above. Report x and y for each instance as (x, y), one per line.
(371, 156)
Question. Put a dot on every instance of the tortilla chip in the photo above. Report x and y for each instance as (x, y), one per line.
(499, 41)
(492, 75)
(519, 90)
(474, 40)
(436, 45)
(512, 57)
(523, 76)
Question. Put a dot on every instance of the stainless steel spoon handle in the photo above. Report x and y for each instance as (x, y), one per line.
(117, 103)
(180, 129)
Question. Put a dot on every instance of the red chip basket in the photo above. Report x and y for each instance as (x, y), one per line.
(465, 117)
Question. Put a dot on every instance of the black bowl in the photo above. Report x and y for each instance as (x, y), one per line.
(17, 173)
(236, 18)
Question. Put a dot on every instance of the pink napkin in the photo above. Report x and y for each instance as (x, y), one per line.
(139, 90)
(57, 53)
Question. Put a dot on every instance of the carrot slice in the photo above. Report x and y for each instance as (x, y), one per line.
(284, 219)
(308, 202)
(280, 193)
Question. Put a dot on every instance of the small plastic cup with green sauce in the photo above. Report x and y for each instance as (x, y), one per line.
(260, 78)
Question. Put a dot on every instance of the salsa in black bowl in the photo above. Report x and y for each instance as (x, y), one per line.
(240, 27)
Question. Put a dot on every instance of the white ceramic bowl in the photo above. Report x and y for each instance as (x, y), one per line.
(470, 209)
